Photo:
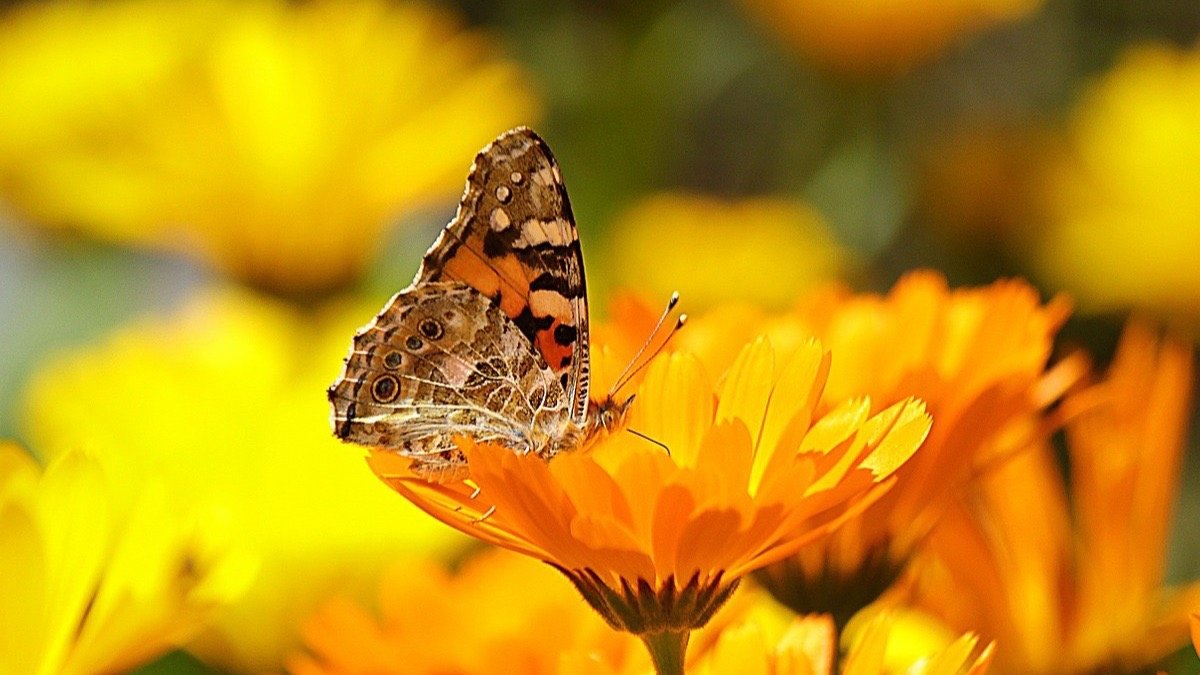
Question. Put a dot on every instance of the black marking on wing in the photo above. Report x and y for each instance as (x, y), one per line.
(531, 325)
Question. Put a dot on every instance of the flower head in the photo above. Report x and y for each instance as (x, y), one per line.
(887, 642)
(771, 250)
(273, 140)
(1134, 148)
(222, 402)
(521, 618)
(1075, 584)
(90, 586)
(881, 36)
(656, 541)
(977, 358)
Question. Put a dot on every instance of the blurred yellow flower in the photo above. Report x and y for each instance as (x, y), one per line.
(1124, 206)
(770, 249)
(976, 356)
(656, 542)
(1074, 583)
(881, 36)
(274, 140)
(225, 401)
(91, 586)
(808, 646)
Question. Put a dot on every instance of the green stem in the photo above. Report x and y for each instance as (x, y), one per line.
(667, 650)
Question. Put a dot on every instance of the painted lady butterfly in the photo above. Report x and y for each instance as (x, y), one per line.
(490, 340)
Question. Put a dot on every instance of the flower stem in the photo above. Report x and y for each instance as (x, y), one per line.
(666, 650)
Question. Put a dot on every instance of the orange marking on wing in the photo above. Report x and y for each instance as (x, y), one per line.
(513, 303)
(551, 350)
(467, 266)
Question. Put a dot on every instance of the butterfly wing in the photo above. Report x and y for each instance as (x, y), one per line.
(441, 360)
(514, 240)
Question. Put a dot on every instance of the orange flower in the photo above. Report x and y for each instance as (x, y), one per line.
(976, 356)
(881, 36)
(656, 542)
(521, 619)
(1194, 624)
(1074, 585)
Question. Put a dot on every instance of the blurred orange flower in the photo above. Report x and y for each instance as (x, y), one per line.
(1123, 205)
(273, 140)
(976, 356)
(1074, 584)
(656, 542)
(521, 619)
(1194, 623)
(881, 36)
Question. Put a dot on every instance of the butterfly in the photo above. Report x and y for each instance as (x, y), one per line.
(490, 341)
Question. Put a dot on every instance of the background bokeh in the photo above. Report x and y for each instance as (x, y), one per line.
(254, 173)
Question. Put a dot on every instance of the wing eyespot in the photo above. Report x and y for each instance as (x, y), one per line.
(432, 329)
(385, 388)
(393, 360)
(414, 343)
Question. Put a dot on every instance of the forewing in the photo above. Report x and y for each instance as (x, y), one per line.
(441, 360)
(514, 240)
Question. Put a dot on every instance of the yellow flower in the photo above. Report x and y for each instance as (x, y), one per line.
(656, 542)
(881, 36)
(90, 586)
(976, 356)
(1124, 205)
(224, 401)
(1075, 584)
(771, 249)
(808, 647)
(273, 140)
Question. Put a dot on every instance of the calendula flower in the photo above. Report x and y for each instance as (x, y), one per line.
(1071, 580)
(771, 249)
(881, 36)
(809, 647)
(223, 401)
(521, 618)
(91, 586)
(656, 542)
(978, 359)
(1134, 149)
(274, 140)
(1194, 623)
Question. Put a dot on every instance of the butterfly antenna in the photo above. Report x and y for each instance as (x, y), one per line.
(636, 364)
(655, 441)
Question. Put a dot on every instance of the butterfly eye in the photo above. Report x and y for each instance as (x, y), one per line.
(385, 388)
(431, 329)
(393, 360)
